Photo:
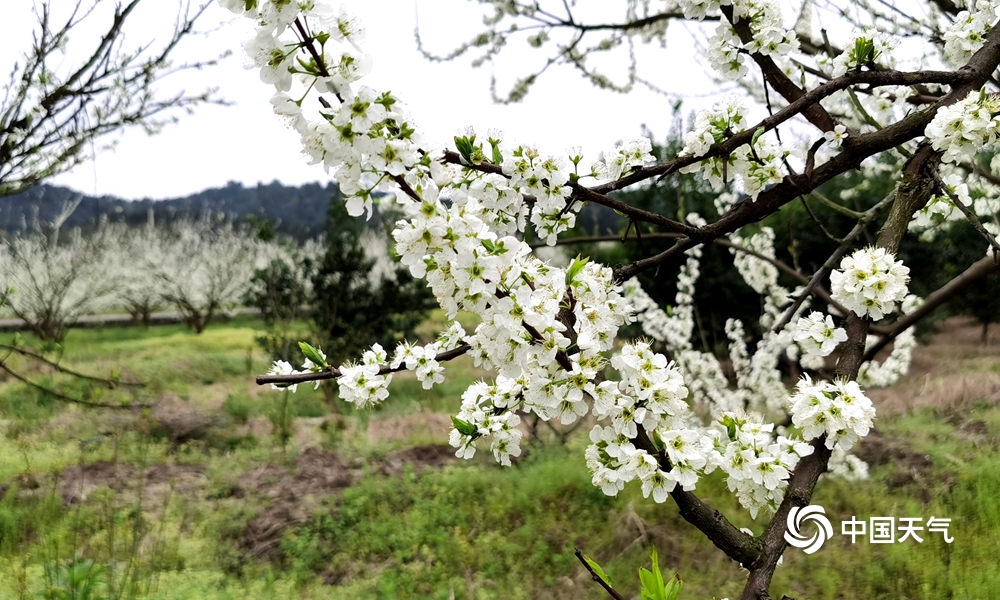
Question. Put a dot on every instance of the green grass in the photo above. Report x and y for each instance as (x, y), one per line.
(466, 531)
(960, 483)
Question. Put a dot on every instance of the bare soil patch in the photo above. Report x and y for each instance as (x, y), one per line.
(290, 493)
(952, 370)
(909, 467)
(156, 482)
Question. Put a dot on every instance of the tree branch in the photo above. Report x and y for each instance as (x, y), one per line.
(334, 373)
(727, 537)
(593, 574)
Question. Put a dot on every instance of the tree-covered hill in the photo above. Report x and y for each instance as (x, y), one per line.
(298, 211)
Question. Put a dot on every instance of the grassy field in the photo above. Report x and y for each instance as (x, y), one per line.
(222, 489)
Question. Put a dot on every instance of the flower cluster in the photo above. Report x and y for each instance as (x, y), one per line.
(728, 54)
(282, 367)
(967, 32)
(759, 273)
(651, 394)
(485, 413)
(547, 333)
(422, 360)
(360, 133)
(755, 165)
(545, 178)
(962, 129)
(940, 211)
(993, 229)
(870, 282)
(365, 384)
(838, 410)
(867, 48)
(622, 158)
(757, 462)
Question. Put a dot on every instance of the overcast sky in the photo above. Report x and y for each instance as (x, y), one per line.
(244, 142)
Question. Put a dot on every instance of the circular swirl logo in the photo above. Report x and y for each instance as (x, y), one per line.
(793, 532)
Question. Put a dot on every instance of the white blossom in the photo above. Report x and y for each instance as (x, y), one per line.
(817, 334)
(870, 282)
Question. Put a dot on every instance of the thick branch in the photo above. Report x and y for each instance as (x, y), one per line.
(798, 493)
(813, 96)
(910, 195)
(727, 537)
(776, 78)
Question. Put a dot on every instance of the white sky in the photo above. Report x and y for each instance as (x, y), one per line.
(247, 143)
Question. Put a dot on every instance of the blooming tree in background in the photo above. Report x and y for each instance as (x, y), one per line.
(50, 281)
(197, 267)
(201, 267)
(825, 105)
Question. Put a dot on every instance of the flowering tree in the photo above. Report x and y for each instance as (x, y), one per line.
(200, 267)
(828, 106)
(49, 282)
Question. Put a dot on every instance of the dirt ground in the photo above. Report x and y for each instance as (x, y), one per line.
(951, 370)
(288, 493)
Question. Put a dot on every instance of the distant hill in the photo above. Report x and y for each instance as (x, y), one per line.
(299, 212)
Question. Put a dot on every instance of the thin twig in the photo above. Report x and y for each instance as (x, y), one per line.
(109, 383)
(65, 398)
(981, 268)
(604, 584)
(969, 214)
(334, 372)
(831, 262)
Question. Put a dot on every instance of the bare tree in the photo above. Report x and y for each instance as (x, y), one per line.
(57, 103)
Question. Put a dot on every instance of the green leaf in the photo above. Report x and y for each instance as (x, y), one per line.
(465, 146)
(672, 590)
(313, 354)
(730, 424)
(653, 586)
(864, 51)
(386, 100)
(598, 570)
(308, 67)
(756, 136)
(575, 268)
(648, 585)
(658, 442)
(652, 581)
(465, 428)
(497, 155)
